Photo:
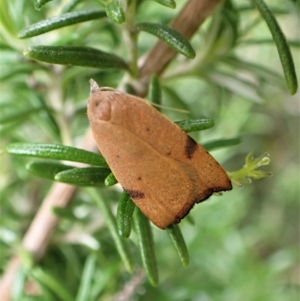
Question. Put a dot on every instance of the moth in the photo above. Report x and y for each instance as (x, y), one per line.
(164, 170)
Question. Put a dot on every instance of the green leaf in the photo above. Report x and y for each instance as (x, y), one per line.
(173, 99)
(235, 84)
(230, 26)
(110, 180)
(56, 152)
(168, 3)
(52, 283)
(190, 220)
(114, 11)
(170, 36)
(111, 224)
(281, 44)
(292, 43)
(179, 243)
(84, 290)
(212, 145)
(7, 25)
(65, 213)
(154, 92)
(128, 88)
(46, 169)
(21, 115)
(14, 70)
(59, 22)
(38, 4)
(146, 245)
(76, 56)
(87, 176)
(124, 215)
(195, 125)
(71, 5)
(18, 287)
(262, 73)
(48, 119)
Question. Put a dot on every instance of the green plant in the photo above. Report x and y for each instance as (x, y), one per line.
(50, 100)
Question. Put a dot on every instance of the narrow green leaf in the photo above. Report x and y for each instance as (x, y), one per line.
(64, 213)
(235, 84)
(38, 4)
(19, 115)
(189, 219)
(59, 22)
(124, 215)
(292, 43)
(146, 245)
(154, 92)
(11, 70)
(75, 56)
(281, 44)
(170, 36)
(111, 224)
(221, 143)
(71, 5)
(52, 283)
(179, 243)
(258, 70)
(87, 176)
(249, 7)
(7, 129)
(8, 25)
(168, 3)
(46, 169)
(230, 24)
(174, 100)
(130, 89)
(114, 11)
(195, 125)
(84, 290)
(110, 180)
(56, 152)
(48, 119)
(18, 285)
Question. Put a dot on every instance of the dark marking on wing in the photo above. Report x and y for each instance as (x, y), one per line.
(135, 194)
(188, 207)
(183, 212)
(204, 196)
(190, 147)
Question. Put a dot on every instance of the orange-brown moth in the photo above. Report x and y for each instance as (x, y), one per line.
(164, 171)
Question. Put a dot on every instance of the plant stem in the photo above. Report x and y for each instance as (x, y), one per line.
(130, 36)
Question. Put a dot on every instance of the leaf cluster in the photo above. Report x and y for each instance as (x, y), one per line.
(43, 106)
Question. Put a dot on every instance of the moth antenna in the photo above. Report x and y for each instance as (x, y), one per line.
(169, 108)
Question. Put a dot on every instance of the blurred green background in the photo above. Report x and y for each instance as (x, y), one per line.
(245, 244)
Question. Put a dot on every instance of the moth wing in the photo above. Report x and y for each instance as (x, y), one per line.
(163, 169)
(171, 141)
(160, 186)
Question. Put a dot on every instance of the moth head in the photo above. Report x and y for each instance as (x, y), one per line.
(99, 106)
